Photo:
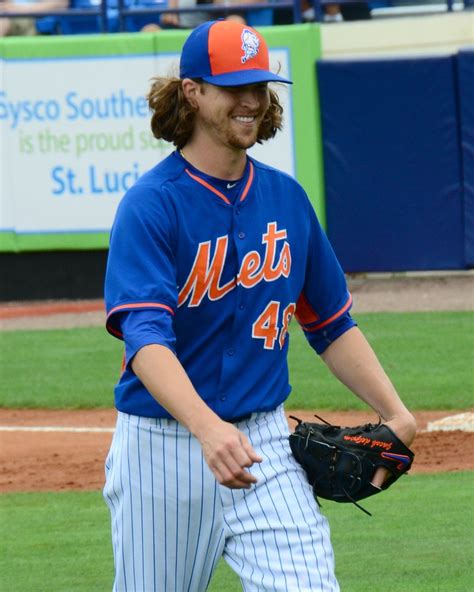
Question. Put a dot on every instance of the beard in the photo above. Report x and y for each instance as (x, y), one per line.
(228, 132)
(242, 142)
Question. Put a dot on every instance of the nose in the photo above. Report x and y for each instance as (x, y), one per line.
(250, 97)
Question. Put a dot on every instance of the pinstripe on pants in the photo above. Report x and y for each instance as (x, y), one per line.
(171, 520)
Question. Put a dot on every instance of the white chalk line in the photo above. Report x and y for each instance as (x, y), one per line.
(463, 422)
(55, 429)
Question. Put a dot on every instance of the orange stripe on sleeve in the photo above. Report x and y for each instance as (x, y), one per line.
(140, 305)
(339, 313)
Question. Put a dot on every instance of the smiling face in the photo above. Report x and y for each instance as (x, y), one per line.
(230, 116)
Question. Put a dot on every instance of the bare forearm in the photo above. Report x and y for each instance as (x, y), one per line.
(352, 360)
(166, 380)
(226, 449)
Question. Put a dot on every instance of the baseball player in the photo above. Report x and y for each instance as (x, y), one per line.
(211, 255)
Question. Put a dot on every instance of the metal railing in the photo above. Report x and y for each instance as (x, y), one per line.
(220, 9)
(72, 12)
(103, 11)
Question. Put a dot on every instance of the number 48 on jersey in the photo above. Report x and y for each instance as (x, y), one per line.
(267, 325)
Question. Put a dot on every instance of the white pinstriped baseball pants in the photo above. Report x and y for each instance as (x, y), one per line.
(171, 520)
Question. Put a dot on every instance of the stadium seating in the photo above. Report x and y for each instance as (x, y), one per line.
(84, 24)
(110, 16)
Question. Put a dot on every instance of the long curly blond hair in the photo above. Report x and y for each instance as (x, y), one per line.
(173, 116)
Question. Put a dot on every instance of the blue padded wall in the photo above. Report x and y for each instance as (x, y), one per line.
(392, 163)
(466, 108)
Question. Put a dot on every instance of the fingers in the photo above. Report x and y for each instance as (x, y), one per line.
(379, 477)
(229, 455)
(252, 455)
(233, 476)
(231, 466)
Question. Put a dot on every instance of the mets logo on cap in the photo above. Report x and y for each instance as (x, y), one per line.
(250, 45)
(227, 53)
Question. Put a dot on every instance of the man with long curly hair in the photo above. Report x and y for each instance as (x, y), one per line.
(211, 255)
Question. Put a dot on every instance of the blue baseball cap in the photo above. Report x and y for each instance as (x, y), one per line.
(227, 53)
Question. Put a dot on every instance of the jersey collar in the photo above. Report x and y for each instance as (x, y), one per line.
(197, 176)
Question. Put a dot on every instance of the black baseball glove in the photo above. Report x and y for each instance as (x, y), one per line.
(341, 461)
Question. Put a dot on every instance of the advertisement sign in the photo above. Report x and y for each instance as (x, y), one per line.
(75, 128)
(76, 135)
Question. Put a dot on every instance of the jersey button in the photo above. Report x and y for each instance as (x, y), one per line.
(241, 306)
(230, 351)
(241, 235)
(222, 398)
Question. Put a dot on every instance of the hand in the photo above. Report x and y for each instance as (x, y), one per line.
(228, 454)
(405, 428)
(170, 18)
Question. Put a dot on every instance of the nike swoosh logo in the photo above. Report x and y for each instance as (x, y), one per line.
(230, 185)
(402, 459)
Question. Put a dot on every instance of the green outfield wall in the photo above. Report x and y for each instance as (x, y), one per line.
(74, 129)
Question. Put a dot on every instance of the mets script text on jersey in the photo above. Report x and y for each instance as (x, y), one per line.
(205, 276)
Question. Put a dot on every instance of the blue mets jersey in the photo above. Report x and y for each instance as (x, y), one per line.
(224, 277)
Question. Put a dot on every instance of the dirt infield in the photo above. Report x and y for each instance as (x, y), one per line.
(74, 460)
(33, 459)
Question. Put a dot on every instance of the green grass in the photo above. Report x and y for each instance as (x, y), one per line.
(55, 542)
(418, 540)
(429, 357)
(60, 369)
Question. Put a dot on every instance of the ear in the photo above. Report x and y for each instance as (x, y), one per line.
(191, 91)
